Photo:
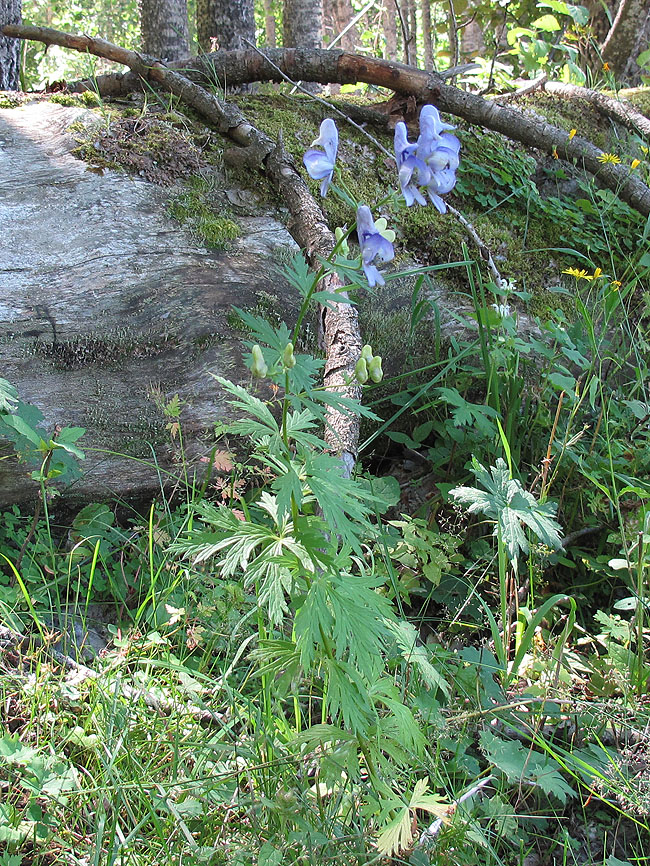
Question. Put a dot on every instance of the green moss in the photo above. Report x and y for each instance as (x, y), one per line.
(195, 207)
(216, 231)
(8, 101)
(67, 99)
(639, 97)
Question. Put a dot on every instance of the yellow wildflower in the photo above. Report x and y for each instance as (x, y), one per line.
(609, 157)
(644, 149)
(635, 162)
(579, 275)
(597, 273)
(616, 285)
(605, 67)
(555, 156)
(572, 133)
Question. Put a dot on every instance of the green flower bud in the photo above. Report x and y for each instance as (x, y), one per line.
(361, 371)
(366, 353)
(342, 241)
(374, 369)
(259, 368)
(288, 358)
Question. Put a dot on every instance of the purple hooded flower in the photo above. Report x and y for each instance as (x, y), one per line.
(440, 152)
(413, 172)
(372, 244)
(319, 165)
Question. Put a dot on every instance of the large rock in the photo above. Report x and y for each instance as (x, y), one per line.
(108, 306)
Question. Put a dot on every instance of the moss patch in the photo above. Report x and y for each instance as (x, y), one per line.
(197, 208)
(87, 351)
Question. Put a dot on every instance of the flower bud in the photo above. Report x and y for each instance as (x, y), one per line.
(288, 358)
(342, 241)
(374, 369)
(259, 368)
(366, 353)
(361, 371)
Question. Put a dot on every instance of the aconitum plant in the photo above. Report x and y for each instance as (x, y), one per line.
(319, 164)
(429, 165)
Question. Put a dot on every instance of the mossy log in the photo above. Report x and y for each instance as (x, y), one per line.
(109, 308)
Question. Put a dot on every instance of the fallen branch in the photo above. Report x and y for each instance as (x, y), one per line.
(618, 109)
(238, 67)
(308, 225)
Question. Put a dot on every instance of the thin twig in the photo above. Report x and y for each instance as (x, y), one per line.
(429, 835)
(486, 255)
(324, 102)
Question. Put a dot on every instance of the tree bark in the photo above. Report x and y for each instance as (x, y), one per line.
(303, 23)
(343, 14)
(224, 24)
(269, 24)
(426, 34)
(164, 28)
(10, 13)
(617, 44)
(390, 29)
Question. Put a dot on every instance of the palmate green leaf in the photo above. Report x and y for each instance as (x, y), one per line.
(262, 331)
(398, 725)
(397, 836)
(298, 273)
(264, 423)
(344, 616)
(297, 426)
(360, 615)
(465, 414)
(415, 653)
(347, 696)
(519, 763)
(509, 505)
(344, 502)
(8, 397)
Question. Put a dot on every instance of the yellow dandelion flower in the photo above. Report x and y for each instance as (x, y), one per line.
(635, 162)
(572, 133)
(609, 157)
(579, 275)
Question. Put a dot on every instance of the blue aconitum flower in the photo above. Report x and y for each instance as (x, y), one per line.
(440, 152)
(413, 172)
(373, 244)
(319, 165)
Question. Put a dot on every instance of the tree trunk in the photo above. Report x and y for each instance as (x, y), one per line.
(303, 23)
(9, 48)
(390, 29)
(269, 24)
(343, 14)
(411, 54)
(472, 43)
(618, 44)
(426, 34)
(164, 28)
(225, 24)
